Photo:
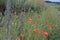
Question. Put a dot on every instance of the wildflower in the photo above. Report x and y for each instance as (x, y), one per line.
(54, 26)
(46, 34)
(21, 35)
(41, 31)
(30, 19)
(49, 26)
(16, 38)
(35, 30)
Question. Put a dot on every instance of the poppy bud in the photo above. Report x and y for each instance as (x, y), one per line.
(35, 30)
(21, 35)
(46, 34)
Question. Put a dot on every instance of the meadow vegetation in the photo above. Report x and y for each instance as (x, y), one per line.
(39, 23)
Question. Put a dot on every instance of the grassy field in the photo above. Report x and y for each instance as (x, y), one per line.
(35, 26)
(33, 23)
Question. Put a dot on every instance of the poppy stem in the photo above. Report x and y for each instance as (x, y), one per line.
(48, 37)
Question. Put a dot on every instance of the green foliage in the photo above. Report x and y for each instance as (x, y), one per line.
(27, 5)
(29, 27)
(15, 29)
(2, 2)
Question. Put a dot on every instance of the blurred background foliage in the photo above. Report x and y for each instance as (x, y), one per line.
(35, 5)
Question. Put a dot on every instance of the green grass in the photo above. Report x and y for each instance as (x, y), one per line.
(49, 14)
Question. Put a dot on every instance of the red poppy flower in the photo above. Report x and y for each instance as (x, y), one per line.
(35, 30)
(30, 19)
(54, 26)
(49, 26)
(46, 34)
(41, 31)
(21, 35)
(16, 38)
